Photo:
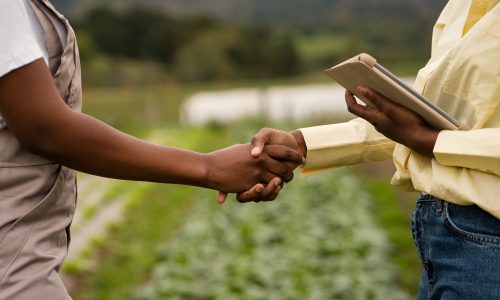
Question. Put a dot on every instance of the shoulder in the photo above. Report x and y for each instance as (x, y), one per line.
(21, 38)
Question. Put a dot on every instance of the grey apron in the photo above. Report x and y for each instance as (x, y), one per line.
(37, 196)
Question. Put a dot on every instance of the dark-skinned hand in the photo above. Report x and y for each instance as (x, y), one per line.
(394, 121)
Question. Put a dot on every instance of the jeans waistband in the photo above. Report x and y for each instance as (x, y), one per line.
(425, 196)
(435, 202)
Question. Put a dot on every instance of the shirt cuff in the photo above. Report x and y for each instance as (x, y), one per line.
(341, 144)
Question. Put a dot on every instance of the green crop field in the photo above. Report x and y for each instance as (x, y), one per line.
(342, 234)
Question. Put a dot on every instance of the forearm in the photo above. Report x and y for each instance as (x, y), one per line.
(344, 144)
(83, 143)
(88, 145)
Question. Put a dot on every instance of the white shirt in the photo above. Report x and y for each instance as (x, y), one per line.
(21, 37)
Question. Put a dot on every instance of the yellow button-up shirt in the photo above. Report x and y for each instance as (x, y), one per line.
(462, 77)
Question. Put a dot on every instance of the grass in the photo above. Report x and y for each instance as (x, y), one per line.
(123, 261)
(393, 209)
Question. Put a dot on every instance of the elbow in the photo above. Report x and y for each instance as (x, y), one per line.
(41, 141)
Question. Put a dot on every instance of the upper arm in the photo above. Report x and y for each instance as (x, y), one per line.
(30, 103)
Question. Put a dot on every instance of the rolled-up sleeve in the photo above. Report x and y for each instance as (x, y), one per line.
(348, 143)
(476, 149)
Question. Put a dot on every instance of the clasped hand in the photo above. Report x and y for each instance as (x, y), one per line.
(389, 118)
(293, 152)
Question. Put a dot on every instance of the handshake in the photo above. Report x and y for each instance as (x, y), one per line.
(257, 171)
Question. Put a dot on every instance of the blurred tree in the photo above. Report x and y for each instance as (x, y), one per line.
(205, 57)
(135, 33)
(192, 48)
(86, 46)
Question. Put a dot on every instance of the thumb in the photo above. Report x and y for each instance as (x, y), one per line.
(221, 197)
(263, 137)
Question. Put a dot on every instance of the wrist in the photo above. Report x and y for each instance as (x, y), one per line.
(301, 143)
(425, 141)
(207, 178)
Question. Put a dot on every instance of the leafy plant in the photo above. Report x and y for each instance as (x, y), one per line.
(318, 241)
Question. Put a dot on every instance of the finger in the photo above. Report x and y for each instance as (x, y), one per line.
(281, 152)
(263, 137)
(221, 197)
(276, 168)
(366, 112)
(276, 193)
(274, 190)
(270, 190)
(251, 195)
(375, 98)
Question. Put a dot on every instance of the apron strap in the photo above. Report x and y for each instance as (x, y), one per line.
(52, 39)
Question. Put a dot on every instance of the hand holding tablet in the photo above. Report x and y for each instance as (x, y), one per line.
(363, 69)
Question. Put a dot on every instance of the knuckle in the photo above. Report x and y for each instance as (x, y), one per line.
(257, 175)
(390, 111)
(266, 131)
(285, 170)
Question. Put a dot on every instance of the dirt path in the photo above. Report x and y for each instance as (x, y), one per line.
(93, 214)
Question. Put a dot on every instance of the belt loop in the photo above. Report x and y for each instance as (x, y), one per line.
(441, 206)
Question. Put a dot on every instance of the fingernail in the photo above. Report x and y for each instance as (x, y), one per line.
(255, 150)
(303, 159)
(278, 182)
(260, 188)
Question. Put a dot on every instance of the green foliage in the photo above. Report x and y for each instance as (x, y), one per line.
(123, 259)
(126, 258)
(318, 241)
(90, 211)
(225, 52)
(192, 48)
(135, 33)
(394, 218)
(245, 39)
(289, 13)
(119, 262)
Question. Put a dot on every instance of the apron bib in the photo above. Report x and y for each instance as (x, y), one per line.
(37, 196)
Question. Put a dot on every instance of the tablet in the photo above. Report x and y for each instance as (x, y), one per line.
(363, 69)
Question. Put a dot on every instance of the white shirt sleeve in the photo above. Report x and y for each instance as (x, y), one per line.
(21, 36)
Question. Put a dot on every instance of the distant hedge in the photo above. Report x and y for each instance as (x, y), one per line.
(190, 48)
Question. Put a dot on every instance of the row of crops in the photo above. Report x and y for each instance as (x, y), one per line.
(319, 240)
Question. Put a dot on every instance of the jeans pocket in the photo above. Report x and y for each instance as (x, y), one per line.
(473, 224)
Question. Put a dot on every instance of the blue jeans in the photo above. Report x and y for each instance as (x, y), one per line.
(459, 247)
